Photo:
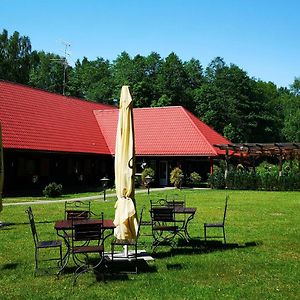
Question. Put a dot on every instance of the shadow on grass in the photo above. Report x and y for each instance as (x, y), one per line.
(198, 246)
(118, 271)
(10, 266)
(4, 225)
(174, 266)
(12, 225)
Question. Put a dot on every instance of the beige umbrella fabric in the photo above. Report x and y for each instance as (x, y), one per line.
(1, 168)
(125, 213)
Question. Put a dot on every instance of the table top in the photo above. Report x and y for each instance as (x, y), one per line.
(67, 224)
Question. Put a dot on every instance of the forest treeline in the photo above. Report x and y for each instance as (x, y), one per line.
(241, 108)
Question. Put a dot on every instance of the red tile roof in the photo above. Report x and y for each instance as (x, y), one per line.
(33, 119)
(39, 120)
(164, 131)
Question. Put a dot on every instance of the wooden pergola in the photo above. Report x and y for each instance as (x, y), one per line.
(282, 151)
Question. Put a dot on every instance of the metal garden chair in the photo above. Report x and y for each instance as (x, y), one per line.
(77, 210)
(217, 225)
(38, 244)
(164, 228)
(87, 247)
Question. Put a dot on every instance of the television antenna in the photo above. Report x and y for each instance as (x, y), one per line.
(64, 61)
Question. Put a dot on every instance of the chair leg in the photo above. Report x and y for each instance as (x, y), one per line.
(204, 233)
(112, 257)
(36, 260)
(224, 235)
(60, 253)
(136, 259)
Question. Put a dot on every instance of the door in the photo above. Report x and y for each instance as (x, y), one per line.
(163, 173)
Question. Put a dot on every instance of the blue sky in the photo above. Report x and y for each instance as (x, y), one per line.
(260, 36)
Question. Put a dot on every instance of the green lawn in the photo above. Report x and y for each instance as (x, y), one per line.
(261, 260)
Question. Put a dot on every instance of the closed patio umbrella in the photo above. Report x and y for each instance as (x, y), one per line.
(125, 213)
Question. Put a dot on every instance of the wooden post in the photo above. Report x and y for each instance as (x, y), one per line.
(226, 168)
(211, 166)
(280, 164)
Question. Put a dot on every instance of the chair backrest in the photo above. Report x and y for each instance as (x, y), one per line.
(86, 231)
(175, 203)
(77, 210)
(158, 202)
(225, 209)
(32, 226)
(77, 214)
(162, 214)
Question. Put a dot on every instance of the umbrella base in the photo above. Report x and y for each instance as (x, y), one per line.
(121, 256)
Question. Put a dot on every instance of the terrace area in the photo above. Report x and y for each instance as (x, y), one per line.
(260, 259)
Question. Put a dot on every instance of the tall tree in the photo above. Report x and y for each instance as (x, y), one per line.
(48, 73)
(214, 67)
(234, 104)
(92, 80)
(195, 79)
(15, 57)
(295, 86)
(172, 80)
(145, 78)
(291, 109)
(122, 70)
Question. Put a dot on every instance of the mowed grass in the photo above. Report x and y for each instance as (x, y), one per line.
(260, 261)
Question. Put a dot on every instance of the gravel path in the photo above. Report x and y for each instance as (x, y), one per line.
(109, 198)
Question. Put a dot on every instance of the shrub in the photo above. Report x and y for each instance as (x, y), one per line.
(52, 190)
(194, 179)
(266, 177)
(216, 180)
(176, 177)
(147, 172)
(242, 179)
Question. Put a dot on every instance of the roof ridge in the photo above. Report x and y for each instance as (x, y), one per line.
(53, 93)
(194, 125)
(157, 107)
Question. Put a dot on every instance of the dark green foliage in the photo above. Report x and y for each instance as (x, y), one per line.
(15, 57)
(216, 180)
(295, 86)
(265, 178)
(91, 80)
(291, 111)
(53, 190)
(194, 179)
(147, 172)
(242, 180)
(47, 73)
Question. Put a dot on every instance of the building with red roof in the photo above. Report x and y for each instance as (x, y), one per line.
(49, 137)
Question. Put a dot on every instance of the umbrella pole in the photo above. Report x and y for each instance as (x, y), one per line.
(125, 250)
